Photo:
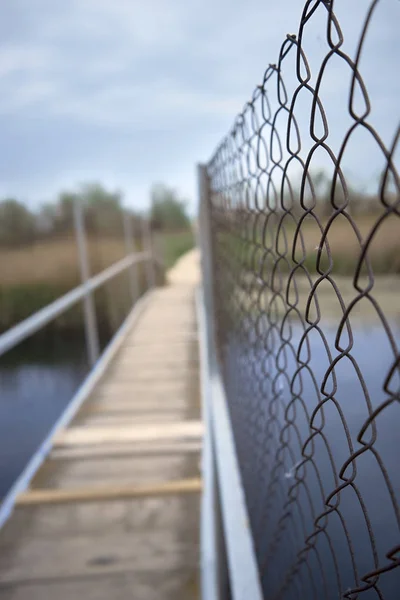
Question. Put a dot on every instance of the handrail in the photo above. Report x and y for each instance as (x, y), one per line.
(28, 326)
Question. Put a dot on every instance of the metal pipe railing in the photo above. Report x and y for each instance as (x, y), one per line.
(28, 326)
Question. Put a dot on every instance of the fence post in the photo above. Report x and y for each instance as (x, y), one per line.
(91, 333)
(204, 239)
(148, 247)
(131, 249)
(229, 568)
(214, 576)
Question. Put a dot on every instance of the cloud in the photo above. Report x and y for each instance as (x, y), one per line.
(138, 92)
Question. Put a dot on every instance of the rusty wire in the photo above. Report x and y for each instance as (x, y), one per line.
(308, 414)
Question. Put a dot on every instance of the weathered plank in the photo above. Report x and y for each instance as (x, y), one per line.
(105, 493)
(165, 584)
(82, 436)
(128, 469)
(79, 555)
(99, 518)
(124, 418)
(131, 389)
(118, 450)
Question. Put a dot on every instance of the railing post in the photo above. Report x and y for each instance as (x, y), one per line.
(148, 247)
(91, 333)
(130, 249)
(204, 239)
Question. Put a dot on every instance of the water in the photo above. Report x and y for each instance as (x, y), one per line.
(272, 484)
(37, 380)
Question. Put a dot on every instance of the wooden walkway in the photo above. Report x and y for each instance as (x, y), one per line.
(114, 511)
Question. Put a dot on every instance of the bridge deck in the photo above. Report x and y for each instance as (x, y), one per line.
(114, 511)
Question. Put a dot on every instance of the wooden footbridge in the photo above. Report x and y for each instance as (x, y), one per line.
(113, 512)
(135, 493)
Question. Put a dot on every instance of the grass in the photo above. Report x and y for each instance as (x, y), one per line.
(35, 275)
(344, 246)
(170, 246)
(55, 261)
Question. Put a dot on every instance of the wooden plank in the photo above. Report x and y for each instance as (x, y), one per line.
(103, 493)
(158, 361)
(151, 389)
(171, 326)
(119, 403)
(122, 419)
(161, 332)
(128, 409)
(132, 344)
(135, 449)
(126, 375)
(123, 470)
(105, 406)
(155, 354)
(156, 340)
(98, 435)
(166, 582)
(177, 512)
(161, 370)
(68, 557)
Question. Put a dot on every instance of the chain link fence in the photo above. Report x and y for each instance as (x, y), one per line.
(306, 297)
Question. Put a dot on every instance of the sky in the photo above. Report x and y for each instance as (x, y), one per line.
(132, 93)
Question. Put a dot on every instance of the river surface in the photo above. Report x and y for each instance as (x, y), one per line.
(37, 380)
(284, 490)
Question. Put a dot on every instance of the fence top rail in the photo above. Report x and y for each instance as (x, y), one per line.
(39, 319)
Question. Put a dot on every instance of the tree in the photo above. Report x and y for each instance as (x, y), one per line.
(65, 212)
(103, 212)
(46, 218)
(17, 223)
(168, 211)
(103, 209)
(356, 200)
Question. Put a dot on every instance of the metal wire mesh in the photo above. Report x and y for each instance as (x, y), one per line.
(306, 310)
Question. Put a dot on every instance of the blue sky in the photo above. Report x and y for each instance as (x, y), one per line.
(130, 93)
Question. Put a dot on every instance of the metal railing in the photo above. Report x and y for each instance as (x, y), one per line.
(301, 308)
(84, 293)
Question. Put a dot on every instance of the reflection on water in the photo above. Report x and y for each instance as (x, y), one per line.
(284, 495)
(37, 380)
